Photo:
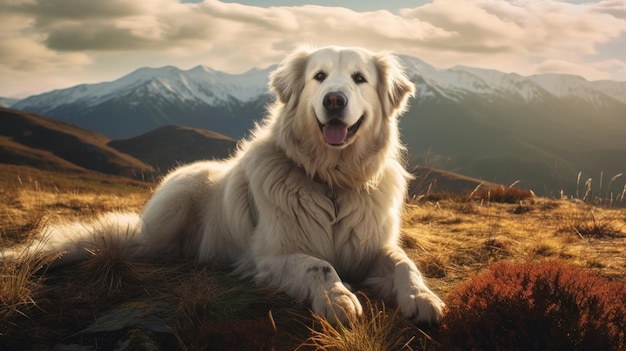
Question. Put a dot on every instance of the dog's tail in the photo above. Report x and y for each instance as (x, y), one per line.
(116, 233)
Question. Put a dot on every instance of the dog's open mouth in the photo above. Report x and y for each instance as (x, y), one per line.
(337, 133)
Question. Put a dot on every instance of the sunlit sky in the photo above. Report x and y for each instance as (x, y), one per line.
(51, 44)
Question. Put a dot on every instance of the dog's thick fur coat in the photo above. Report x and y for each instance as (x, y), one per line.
(312, 200)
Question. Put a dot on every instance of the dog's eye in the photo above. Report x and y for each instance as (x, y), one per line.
(320, 76)
(359, 78)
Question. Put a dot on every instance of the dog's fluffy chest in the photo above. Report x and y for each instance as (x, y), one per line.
(342, 226)
(352, 229)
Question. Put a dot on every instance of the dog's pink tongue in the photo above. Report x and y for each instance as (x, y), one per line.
(335, 133)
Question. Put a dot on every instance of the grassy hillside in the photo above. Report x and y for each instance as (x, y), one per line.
(20, 154)
(177, 304)
(27, 139)
(31, 140)
(542, 145)
(428, 182)
(165, 147)
(30, 196)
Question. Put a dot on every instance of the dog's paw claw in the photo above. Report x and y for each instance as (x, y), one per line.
(338, 305)
(424, 307)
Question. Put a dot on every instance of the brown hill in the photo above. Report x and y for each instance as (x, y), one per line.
(28, 139)
(39, 142)
(429, 180)
(169, 146)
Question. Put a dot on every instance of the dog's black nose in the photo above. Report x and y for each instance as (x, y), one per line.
(335, 101)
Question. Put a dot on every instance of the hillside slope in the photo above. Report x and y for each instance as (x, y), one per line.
(28, 139)
(166, 147)
(45, 144)
(544, 144)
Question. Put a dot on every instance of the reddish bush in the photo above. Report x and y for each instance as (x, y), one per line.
(535, 306)
(501, 194)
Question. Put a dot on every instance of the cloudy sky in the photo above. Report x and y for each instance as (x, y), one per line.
(50, 44)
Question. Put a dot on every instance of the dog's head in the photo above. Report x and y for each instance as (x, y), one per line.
(335, 114)
(345, 90)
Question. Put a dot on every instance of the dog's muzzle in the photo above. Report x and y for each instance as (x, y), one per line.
(335, 131)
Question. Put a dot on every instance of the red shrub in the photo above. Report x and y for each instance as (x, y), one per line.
(535, 306)
(501, 194)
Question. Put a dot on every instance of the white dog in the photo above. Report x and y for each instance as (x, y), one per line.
(312, 200)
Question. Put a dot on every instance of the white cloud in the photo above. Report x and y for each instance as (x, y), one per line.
(522, 27)
(616, 8)
(617, 67)
(525, 36)
(591, 72)
(22, 49)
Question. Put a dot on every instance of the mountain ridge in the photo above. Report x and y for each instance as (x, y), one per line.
(168, 146)
(541, 130)
(217, 88)
(29, 139)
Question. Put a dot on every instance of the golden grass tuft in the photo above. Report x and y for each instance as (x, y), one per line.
(207, 294)
(21, 284)
(502, 194)
(377, 330)
(589, 222)
(110, 275)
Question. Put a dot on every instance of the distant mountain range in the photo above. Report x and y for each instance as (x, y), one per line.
(540, 130)
(152, 97)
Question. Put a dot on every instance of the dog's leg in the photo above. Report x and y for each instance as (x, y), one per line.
(396, 276)
(308, 278)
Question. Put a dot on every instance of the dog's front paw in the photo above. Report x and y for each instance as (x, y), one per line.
(337, 305)
(421, 307)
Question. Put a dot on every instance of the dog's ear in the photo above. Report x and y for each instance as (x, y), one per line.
(288, 79)
(395, 88)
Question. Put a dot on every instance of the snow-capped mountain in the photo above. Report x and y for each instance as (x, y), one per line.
(7, 102)
(152, 97)
(197, 85)
(501, 127)
(461, 80)
(204, 87)
(541, 130)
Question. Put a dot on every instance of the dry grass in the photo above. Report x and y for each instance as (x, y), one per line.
(20, 287)
(30, 196)
(462, 238)
(502, 194)
(451, 240)
(378, 329)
